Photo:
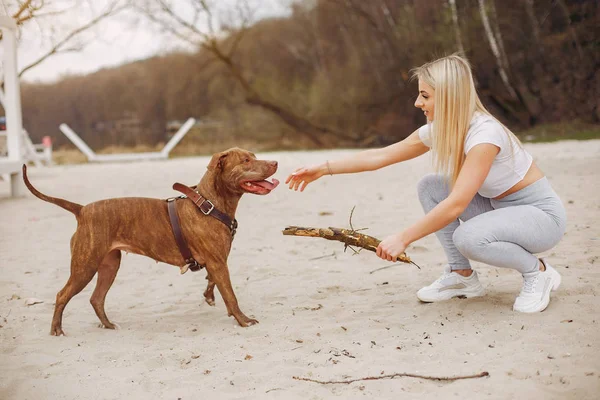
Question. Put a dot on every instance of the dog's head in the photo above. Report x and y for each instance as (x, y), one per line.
(240, 172)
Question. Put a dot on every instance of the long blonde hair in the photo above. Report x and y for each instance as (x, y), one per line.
(455, 102)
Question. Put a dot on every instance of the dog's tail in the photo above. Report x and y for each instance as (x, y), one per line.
(67, 205)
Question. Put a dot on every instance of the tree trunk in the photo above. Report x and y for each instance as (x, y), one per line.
(530, 101)
(572, 32)
(456, 25)
(496, 50)
(317, 134)
(498, 35)
(535, 25)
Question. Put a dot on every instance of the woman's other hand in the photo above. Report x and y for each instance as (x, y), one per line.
(302, 176)
(391, 247)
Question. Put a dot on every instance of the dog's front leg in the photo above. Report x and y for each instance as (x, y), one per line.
(219, 274)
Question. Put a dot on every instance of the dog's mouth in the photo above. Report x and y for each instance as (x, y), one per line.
(259, 187)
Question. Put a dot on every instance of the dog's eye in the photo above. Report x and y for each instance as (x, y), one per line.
(247, 160)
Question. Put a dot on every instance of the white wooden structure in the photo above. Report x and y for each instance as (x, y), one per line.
(159, 155)
(11, 164)
(39, 154)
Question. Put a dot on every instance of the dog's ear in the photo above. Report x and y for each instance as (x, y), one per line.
(217, 161)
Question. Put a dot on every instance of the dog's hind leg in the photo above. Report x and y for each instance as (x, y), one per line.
(107, 271)
(84, 264)
(209, 293)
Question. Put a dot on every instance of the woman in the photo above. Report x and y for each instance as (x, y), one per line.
(484, 178)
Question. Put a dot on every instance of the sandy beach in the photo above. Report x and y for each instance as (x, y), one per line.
(324, 314)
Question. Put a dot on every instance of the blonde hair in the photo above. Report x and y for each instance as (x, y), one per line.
(455, 102)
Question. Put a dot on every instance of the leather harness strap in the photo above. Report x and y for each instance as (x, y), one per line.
(207, 208)
(191, 263)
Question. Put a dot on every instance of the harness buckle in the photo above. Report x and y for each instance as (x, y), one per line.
(212, 207)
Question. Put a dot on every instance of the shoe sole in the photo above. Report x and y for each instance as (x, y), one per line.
(556, 279)
(449, 294)
(556, 284)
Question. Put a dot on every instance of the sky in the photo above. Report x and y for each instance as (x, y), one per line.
(118, 40)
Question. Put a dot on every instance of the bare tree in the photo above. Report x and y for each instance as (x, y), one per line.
(195, 22)
(388, 37)
(50, 17)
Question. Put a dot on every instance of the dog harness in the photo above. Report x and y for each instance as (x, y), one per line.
(207, 208)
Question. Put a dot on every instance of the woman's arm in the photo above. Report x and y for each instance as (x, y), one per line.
(475, 169)
(370, 160)
(367, 160)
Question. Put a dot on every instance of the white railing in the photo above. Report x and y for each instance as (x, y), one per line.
(40, 154)
(159, 155)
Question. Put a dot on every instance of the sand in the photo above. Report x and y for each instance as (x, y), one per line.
(324, 313)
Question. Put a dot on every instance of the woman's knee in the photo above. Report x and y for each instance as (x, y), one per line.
(432, 187)
(468, 243)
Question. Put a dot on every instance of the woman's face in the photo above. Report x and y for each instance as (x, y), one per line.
(425, 100)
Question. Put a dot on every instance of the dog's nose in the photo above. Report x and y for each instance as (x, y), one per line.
(273, 163)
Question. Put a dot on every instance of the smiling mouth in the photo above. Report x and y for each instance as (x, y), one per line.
(259, 187)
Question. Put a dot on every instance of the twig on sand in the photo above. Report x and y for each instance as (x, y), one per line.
(321, 257)
(270, 390)
(400, 374)
(379, 269)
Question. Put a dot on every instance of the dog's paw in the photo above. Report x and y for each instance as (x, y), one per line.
(111, 326)
(246, 322)
(210, 302)
(57, 332)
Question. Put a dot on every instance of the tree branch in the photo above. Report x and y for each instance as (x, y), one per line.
(57, 48)
(21, 10)
(171, 13)
(348, 236)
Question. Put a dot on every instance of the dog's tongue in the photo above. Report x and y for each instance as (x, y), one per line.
(266, 184)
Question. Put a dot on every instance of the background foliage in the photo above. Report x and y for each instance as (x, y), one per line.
(336, 73)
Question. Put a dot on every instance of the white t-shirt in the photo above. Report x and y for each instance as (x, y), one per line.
(511, 163)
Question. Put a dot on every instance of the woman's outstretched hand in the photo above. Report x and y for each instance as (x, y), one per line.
(303, 176)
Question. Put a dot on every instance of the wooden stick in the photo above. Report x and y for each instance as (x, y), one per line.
(347, 236)
(372, 378)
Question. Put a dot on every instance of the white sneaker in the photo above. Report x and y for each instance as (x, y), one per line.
(535, 294)
(450, 285)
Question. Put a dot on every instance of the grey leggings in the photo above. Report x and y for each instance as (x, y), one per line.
(503, 233)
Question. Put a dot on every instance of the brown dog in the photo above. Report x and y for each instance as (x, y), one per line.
(141, 226)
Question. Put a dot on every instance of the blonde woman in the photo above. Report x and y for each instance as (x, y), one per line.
(488, 202)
